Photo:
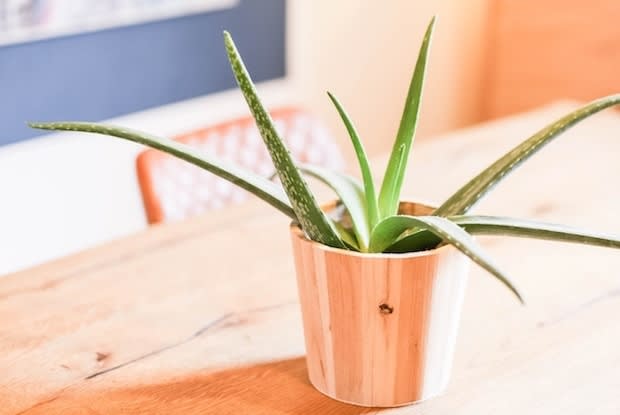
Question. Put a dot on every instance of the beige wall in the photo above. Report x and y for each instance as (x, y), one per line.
(364, 51)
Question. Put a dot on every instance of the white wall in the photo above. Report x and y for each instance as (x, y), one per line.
(365, 50)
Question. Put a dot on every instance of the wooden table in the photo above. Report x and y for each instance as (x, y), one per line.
(201, 317)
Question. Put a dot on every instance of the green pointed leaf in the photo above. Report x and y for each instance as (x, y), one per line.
(390, 228)
(347, 237)
(370, 194)
(467, 196)
(253, 183)
(494, 225)
(411, 240)
(310, 216)
(389, 196)
(401, 160)
(351, 194)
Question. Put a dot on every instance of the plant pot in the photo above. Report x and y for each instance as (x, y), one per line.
(380, 329)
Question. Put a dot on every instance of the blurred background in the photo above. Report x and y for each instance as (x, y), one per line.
(159, 65)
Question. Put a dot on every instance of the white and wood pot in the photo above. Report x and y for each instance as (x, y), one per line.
(380, 329)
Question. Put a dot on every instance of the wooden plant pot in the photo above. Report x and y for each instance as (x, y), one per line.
(380, 329)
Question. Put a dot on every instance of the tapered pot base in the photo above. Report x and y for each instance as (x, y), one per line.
(393, 405)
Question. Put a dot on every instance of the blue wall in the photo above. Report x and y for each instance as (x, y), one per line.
(112, 72)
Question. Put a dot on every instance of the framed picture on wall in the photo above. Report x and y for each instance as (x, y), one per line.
(26, 20)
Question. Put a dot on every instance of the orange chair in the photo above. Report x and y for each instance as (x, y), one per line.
(173, 189)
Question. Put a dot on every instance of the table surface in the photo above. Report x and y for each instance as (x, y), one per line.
(201, 317)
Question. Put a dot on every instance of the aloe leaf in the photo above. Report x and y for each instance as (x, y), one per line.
(370, 194)
(401, 160)
(351, 194)
(389, 196)
(467, 196)
(253, 183)
(390, 228)
(414, 240)
(312, 219)
(347, 237)
(496, 225)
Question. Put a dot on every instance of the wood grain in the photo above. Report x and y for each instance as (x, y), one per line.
(201, 317)
(541, 51)
(378, 328)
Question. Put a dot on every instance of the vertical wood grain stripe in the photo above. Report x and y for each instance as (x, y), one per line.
(322, 294)
(416, 297)
(346, 327)
(448, 295)
(391, 297)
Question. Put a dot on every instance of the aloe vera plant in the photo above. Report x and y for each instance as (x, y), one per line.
(372, 223)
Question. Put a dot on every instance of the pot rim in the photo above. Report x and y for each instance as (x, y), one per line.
(299, 233)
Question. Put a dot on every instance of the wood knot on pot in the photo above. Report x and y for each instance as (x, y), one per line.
(386, 309)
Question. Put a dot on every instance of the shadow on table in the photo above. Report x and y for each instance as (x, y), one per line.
(279, 387)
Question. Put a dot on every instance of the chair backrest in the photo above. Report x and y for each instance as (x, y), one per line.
(173, 189)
